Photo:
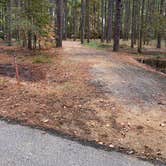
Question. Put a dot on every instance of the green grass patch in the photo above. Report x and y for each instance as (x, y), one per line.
(41, 59)
(98, 45)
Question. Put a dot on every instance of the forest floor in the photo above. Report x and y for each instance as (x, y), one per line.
(94, 95)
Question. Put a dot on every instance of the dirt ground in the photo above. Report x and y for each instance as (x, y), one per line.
(94, 95)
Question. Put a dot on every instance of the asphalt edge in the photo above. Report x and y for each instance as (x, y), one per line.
(84, 142)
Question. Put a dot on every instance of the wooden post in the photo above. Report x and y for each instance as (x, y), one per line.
(16, 68)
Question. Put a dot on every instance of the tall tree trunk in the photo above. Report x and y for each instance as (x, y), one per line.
(9, 34)
(159, 33)
(74, 21)
(141, 27)
(126, 29)
(98, 22)
(117, 25)
(82, 21)
(133, 25)
(105, 20)
(29, 39)
(102, 17)
(137, 21)
(59, 23)
(34, 41)
(87, 21)
(29, 31)
(65, 20)
(109, 32)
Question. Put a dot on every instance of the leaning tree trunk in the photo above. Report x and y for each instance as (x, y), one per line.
(82, 21)
(59, 23)
(117, 25)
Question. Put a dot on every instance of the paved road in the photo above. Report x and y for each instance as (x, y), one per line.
(22, 146)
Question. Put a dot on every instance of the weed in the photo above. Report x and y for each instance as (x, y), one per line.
(42, 59)
(98, 45)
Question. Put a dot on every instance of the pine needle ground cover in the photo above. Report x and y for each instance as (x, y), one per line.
(79, 92)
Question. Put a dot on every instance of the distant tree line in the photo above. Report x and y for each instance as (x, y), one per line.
(31, 21)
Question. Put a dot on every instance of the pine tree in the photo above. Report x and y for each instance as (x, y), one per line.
(59, 23)
(117, 25)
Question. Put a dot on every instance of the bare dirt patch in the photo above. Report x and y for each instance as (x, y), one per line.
(134, 113)
(88, 94)
(26, 72)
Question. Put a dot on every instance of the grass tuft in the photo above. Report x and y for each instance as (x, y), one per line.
(42, 59)
(98, 45)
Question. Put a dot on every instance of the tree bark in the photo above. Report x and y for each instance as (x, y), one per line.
(65, 20)
(159, 33)
(133, 25)
(102, 16)
(74, 21)
(109, 32)
(29, 39)
(105, 20)
(141, 27)
(29, 31)
(59, 23)
(9, 34)
(82, 21)
(117, 25)
(87, 21)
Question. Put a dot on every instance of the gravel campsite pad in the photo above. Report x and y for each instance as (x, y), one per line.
(93, 95)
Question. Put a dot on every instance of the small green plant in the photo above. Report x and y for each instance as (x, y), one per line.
(98, 45)
(1, 35)
(42, 59)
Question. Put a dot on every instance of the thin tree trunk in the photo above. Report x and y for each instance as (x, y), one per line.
(102, 15)
(9, 36)
(105, 20)
(159, 33)
(109, 33)
(87, 22)
(141, 28)
(98, 22)
(74, 21)
(29, 31)
(132, 25)
(117, 25)
(82, 21)
(126, 24)
(34, 41)
(59, 23)
(65, 20)
(29, 39)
